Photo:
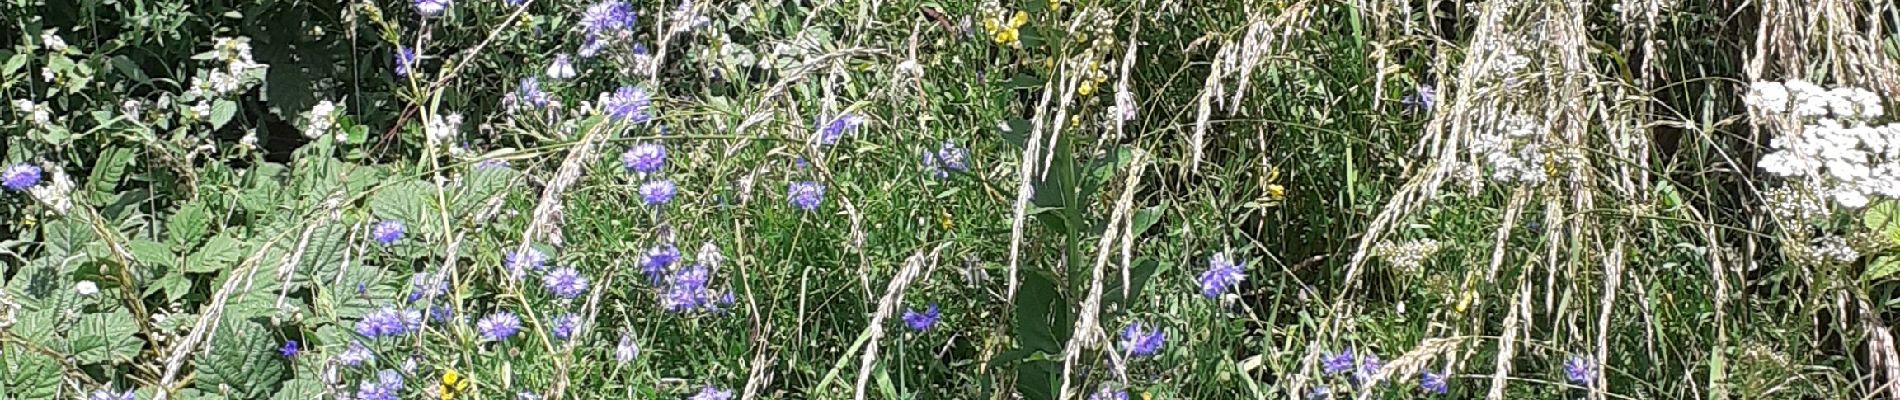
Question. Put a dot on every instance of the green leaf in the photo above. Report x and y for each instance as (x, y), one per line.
(1883, 217)
(242, 361)
(174, 284)
(130, 69)
(220, 252)
(478, 187)
(106, 337)
(1881, 267)
(187, 226)
(410, 201)
(153, 253)
(300, 389)
(221, 113)
(1146, 218)
(110, 168)
(29, 375)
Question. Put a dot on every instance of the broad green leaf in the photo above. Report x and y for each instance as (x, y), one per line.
(221, 113)
(109, 169)
(106, 337)
(217, 254)
(174, 284)
(153, 253)
(300, 389)
(29, 374)
(478, 186)
(1883, 217)
(1881, 267)
(187, 226)
(242, 360)
(410, 201)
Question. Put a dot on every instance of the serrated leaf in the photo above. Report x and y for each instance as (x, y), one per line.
(241, 360)
(1882, 217)
(109, 169)
(217, 254)
(221, 113)
(106, 337)
(1881, 267)
(174, 284)
(479, 186)
(408, 201)
(152, 253)
(29, 375)
(187, 226)
(300, 389)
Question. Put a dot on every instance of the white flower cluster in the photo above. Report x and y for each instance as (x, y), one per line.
(1407, 256)
(442, 129)
(1834, 248)
(51, 41)
(1825, 137)
(239, 70)
(56, 192)
(40, 114)
(1514, 151)
(320, 120)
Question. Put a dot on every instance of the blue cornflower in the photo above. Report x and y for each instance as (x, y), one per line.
(565, 282)
(626, 350)
(290, 349)
(712, 393)
(1140, 341)
(1222, 276)
(561, 69)
(1422, 99)
(386, 386)
(1320, 393)
(566, 326)
(425, 285)
(1581, 370)
(948, 158)
(687, 290)
(388, 321)
(1107, 393)
(519, 263)
(806, 195)
(591, 47)
(608, 16)
(1432, 382)
(20, 176)
(658, 192)
(105, 393)
(1337, 363)
(356, 354)
(921, 321)
(644, 157)
(657, 260)
(835, 128)
(386, 232)
(430, 8)
(1369, 366)
(498, 326)
(405, 60)
(529, 92)
(440, 314)
(627, 104)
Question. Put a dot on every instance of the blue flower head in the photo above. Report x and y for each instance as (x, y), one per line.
(386, 386)
(388, 321)
(830, 131)
(1369, 366)
(565, 282)
(1337, 363)
(644, 158)
(356, 354)
(1581, 370)
(290, 349)
(611, 16)
(386, 232)
(423, 285)
(658, 192)
(1432, 382)
(518, 263)
(405, 60)
(688, 289)
(657, 260)
(712, 393)
(1320, 393)
(806, 195)
(1421, 99)
(1108, 393)
(950, 158)
(1222, 276)
(626, 350)
(431, 8)
(566, 326)
(627, 104)
(529, 92)
(20, 176)
(561, 69)
(498, 326)
(921, 321)
(1142, 341)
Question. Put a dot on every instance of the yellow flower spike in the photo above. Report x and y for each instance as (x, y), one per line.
(1018, 20)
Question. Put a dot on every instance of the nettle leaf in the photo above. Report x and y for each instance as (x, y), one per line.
(30, 375)
(217, 254)
(45, 283)
(242, 360)
(221, 113)
(106, 337)
(1883, 217)
(66, 237)
(187, 226)
(1881, 267)
(478, 186)
(410, 201)
(152, 253)
(41, 327)
(107, 172)
(352, 302)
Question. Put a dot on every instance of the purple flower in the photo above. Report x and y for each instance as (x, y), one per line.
(1221, 276)
(592, 47)
(105, 393)
(657, 260)
(386, 232)
(658, 192)
(1337, 363)
(1422, 99)
(388, 321)
(566, 326)
(20, 176)
(1320, 393)
(1369, 366)
(712, 393)
(608, 16)
(518, 263)
(491, 163)
(948, 158)
(835, 128)
(565, 282)
(426, 286)
(405, 60)
(806, 195)
(1107, 393)
(529, 91)
(1140, 341)
(687, 290)
(626, 350)
(644, 158)
(498, 326)
(1581, 370)
(561, 69)
(627, 104)
(356, 354)
(386, 386)
(440, 314)
(431, 8)
(290, 349)
(921, 321)
(1432, 382)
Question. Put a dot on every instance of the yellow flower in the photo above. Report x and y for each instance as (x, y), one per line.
(1018, 20)
(453, 384)
(1276, 191)
(1087, 88)
(991, 25)
(944, 219)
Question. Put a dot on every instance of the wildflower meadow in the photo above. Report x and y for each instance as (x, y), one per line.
(930, 199)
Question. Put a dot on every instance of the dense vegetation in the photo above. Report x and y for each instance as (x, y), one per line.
(915, 199)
